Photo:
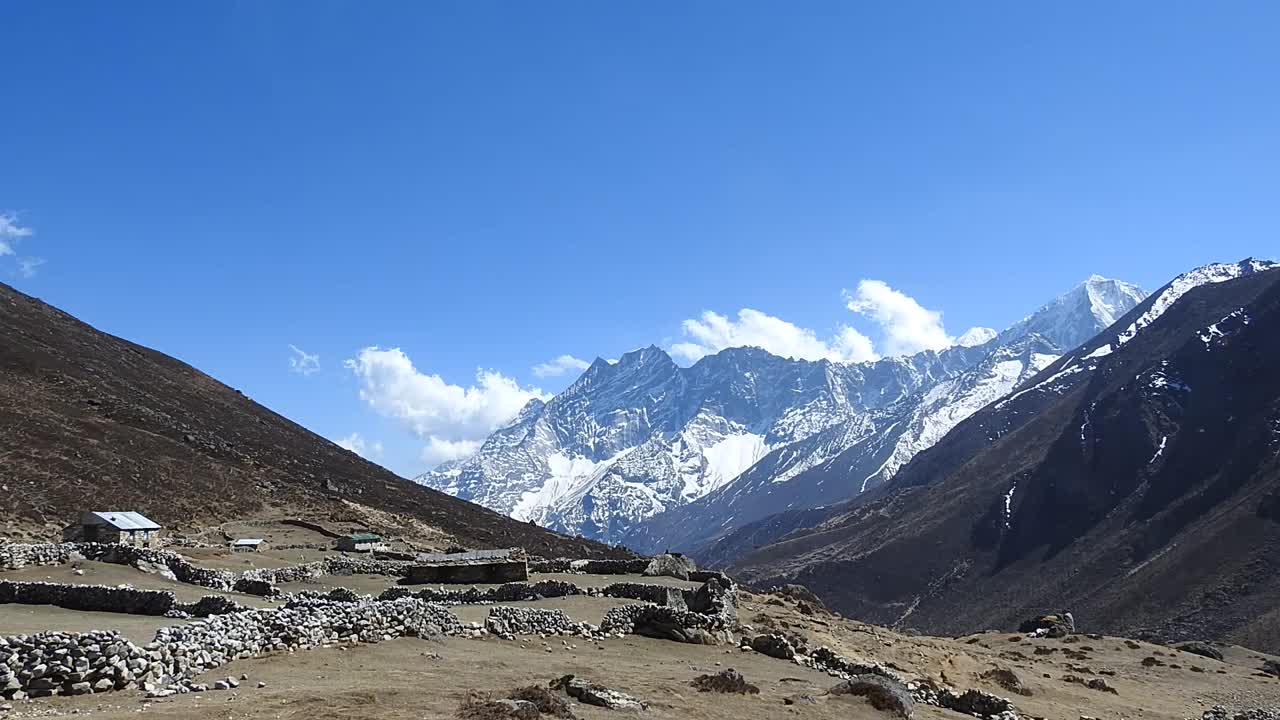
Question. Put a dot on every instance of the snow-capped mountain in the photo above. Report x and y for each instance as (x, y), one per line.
(885, 439)
(1135, 480)
(618, 453)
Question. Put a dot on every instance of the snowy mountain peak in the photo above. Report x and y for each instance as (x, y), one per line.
(641, 437)
(1109, 299)
(1078, 314)
(976, 336)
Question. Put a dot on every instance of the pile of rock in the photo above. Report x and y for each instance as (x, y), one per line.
(71, 664)
(507, 622)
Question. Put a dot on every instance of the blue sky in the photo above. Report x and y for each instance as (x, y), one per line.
(493, 185)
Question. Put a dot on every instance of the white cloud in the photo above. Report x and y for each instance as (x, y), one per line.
(11, 232)
(560, 366)
(356, 443)
(451, 418)
(27, 266)
(303, 362)
(714, 332)
(907, 327)
(439, 450)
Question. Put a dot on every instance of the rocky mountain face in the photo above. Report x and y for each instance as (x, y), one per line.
(658, 456)
(1135, 480)
(90, 421)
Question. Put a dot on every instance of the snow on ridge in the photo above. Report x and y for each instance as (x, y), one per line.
(1184, 283)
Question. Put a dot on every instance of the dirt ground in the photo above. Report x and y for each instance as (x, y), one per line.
(413, 678)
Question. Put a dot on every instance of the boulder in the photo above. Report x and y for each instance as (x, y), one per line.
(773, 645)
(881, 693)
(1054, 626)
(670, 565)
(1202, 649)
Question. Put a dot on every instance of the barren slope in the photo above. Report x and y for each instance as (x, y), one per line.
(88, 420)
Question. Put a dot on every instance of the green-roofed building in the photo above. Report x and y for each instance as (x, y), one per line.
(361, 542)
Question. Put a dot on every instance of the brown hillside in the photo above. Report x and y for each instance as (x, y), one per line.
(88, 420)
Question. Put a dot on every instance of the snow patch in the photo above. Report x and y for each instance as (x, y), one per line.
(1008, 506)
(1160, 450)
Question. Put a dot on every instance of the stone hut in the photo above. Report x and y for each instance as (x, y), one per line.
(477, 566)
(361, 542)
(113, 526)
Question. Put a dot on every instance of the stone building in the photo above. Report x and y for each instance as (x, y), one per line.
(478, 566)
(129, 528)
(361, 542)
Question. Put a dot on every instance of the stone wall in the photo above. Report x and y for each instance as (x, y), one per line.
(656, 594)
(98, 598)
(80, 663)
(510, 592)
(103, 598)
(590, 567)
(506, 622)
(257, 582)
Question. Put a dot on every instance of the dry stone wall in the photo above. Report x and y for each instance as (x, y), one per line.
(81, 663)
(103, 598)
(506, 622)
(255, 582)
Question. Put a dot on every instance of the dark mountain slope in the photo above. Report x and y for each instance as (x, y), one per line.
(88, 420)
(1134, 482)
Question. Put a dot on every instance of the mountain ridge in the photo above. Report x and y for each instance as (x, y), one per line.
(632, 440)
(1139, 491)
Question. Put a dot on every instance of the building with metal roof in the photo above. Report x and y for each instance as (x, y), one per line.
(114, 526)
(361, 542)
